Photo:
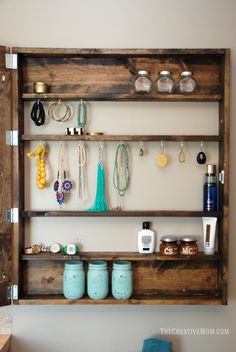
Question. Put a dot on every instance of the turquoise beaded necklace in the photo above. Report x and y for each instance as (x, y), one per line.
(82, 114)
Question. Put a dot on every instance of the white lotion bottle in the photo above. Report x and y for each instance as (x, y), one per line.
(146, 239)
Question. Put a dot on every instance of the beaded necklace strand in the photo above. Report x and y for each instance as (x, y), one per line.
(121, 176)
(81, 162)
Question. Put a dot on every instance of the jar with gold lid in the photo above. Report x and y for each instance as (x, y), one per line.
(169, 246)
(188, 246)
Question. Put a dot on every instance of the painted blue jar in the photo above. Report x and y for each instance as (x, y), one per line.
(97, 279)
(122, 279)
(73, 280)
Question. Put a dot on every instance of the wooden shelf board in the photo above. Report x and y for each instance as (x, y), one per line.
(132, 256)
(124, 138)
(123, 97)
(168, 299)
(87, 52)
(120, 213)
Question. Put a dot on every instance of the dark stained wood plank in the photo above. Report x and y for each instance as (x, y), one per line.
(124, 138)
(157, 300)
(120, 213)
(110, 78)
(109, 96)
(6, 254)
(89, 52)
(132, 256)
(150, 278)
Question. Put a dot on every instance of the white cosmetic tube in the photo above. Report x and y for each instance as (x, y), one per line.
(209, 234)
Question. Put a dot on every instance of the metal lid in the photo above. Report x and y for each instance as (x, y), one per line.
(210, 169)
(186, 74)
(168, 239)
(165, 73)
(143, 73)
(188, 239)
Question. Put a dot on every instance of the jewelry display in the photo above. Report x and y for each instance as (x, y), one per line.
(181, 153)
(40, 164)
(100, 204)
(162, 159)
(62, 184)
(121, 177)
(54, 110)
(201, 157)
(81, 163)
(37, 113)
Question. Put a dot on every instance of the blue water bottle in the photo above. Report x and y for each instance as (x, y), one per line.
(210, 189)
(97, 279)
(73, 280)
(122, 280)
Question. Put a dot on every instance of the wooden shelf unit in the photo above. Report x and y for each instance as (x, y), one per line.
(107, 75)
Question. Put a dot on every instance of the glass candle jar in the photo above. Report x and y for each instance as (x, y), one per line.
(122, 280)
(143, 83)
(187, 83)
(165, 83)
(188, 246)
(73, 280)
(97, 279)
(169, 246)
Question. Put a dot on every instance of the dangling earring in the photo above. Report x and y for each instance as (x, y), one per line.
(162, 159)
(201, 157)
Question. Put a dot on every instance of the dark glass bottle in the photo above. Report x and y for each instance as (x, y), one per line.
(210, 189)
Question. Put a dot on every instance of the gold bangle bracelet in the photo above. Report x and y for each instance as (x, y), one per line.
(52, 112)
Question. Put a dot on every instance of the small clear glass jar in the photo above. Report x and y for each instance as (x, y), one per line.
(165, 83)
(143, 83)
(187, 83)
(169, 246)
(188, 246)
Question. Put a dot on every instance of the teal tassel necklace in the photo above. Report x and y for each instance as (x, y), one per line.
(100, 204)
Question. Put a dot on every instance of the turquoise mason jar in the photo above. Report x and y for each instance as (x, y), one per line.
(73, 280)
(122, 279)
(97, 279)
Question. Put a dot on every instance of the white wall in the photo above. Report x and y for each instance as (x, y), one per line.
(149, 24)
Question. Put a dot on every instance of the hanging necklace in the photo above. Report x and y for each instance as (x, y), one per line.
(62, 184)
(100, 203)
(121, 176)
(82, 114)
(81, 162)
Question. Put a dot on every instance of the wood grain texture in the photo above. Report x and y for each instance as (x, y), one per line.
(120, 213)
(109, 78)
(124, 138)
(5, 342)
(150, 278)
(5, 181)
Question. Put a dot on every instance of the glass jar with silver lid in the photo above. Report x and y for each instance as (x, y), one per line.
(143, 83)
(165, 83)
(187, 83)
